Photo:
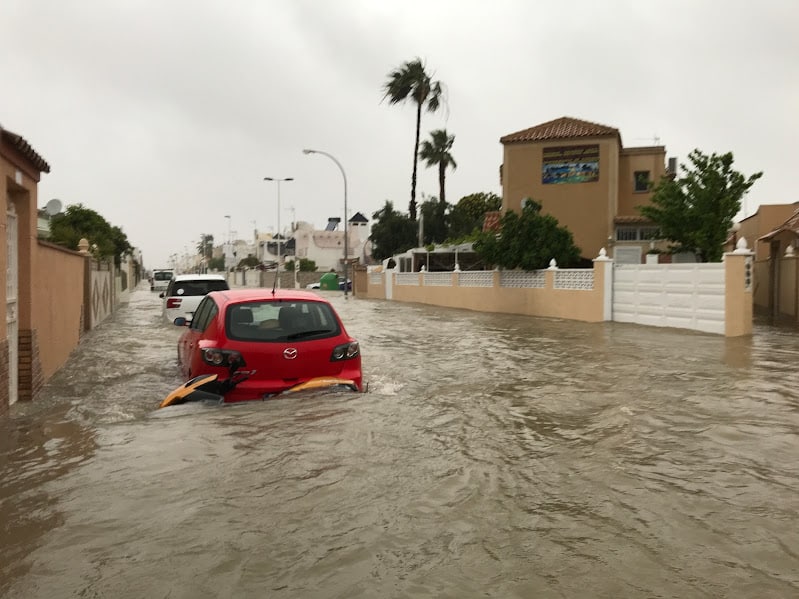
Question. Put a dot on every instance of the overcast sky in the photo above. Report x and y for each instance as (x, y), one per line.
(166, 115)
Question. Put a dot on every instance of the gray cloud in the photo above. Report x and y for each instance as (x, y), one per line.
(165, 116)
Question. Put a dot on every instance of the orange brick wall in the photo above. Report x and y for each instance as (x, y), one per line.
(4, 377)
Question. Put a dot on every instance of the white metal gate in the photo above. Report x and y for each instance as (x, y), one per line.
(12, 309)
(687, 296)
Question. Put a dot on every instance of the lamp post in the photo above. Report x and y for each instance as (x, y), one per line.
(346, 224)
(278, 181)
(227, 245)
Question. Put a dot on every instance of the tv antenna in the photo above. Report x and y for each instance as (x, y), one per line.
(655, 139)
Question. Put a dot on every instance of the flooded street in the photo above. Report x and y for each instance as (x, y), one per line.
(493, 456)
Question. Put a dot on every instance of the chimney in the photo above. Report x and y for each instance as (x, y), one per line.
(671, 169)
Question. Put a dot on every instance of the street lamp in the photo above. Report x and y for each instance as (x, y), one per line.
(278, 181)
(346, 224)
(226, 253)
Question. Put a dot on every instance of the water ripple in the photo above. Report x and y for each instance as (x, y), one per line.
(495, 455)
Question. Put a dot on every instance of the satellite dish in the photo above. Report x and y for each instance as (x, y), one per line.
(53, 207)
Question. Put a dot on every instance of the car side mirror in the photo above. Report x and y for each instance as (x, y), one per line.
(161, 295)
(181, 321)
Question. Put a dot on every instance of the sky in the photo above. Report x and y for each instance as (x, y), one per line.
(164, 116)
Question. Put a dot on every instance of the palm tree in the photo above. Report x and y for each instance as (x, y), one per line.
(435, 152)
(412, 81)
(206, 246)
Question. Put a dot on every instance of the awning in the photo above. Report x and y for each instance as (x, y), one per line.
(791, 225)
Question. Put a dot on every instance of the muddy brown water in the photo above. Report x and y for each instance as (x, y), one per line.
(493, 456)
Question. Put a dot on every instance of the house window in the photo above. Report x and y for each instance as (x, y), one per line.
(637, 233)
(641, 181)
(648, 233)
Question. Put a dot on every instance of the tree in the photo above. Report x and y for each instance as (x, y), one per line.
(77, 222)
(216, 263)
(436, 152)
(466, 217)
(695, 212)
(305, 265)
(392, 232)
(435, 226)
(411, 80)
(206, 246)
(250, 262)
(528, 241)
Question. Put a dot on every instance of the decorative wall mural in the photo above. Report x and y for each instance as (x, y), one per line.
(570, 164)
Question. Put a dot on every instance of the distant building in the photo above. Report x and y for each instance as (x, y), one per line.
(326, 247)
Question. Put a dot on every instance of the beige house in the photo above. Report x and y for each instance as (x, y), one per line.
(767, 218)
(775, 229)
(51, 294)
(21, 168)
(583, 176)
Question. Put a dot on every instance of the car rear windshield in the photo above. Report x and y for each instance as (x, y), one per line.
(199, 287)
(281, 321)
(162, 275)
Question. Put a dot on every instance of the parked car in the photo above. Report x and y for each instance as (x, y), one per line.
(184, 293)
(160, 279)
(282, 337)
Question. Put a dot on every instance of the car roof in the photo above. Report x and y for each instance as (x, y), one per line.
(262, 293)
(205, 277)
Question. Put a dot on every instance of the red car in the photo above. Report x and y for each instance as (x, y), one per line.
(280, 338)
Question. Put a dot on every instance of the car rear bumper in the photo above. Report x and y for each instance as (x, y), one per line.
(254, 390)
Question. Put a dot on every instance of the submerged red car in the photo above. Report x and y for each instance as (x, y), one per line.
(278, 338)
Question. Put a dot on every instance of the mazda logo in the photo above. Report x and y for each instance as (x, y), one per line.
(290, 353)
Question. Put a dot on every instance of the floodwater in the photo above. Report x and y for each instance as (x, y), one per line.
(493, 456)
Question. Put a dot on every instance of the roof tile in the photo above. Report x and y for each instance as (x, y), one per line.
(562, 128)
(491, 221)
(792, 224)
(632, 220)
(24, 148)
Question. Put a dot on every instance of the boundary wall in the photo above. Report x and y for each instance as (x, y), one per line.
(711, 298)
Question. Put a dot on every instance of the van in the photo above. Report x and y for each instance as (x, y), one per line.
(160, 279)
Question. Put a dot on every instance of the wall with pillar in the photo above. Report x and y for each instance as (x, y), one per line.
(588, 295)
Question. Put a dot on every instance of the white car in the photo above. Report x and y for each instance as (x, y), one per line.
(185, 292)
(160, 279)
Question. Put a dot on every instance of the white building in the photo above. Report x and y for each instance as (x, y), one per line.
(326, 248)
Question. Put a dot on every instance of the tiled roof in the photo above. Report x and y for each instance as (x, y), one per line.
(562, 128)
(632, 220)
(24, 148)
(792, 224)
(491, 220)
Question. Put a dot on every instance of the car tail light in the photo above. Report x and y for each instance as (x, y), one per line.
(346, 351)
(221, 357)
(173, 302)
